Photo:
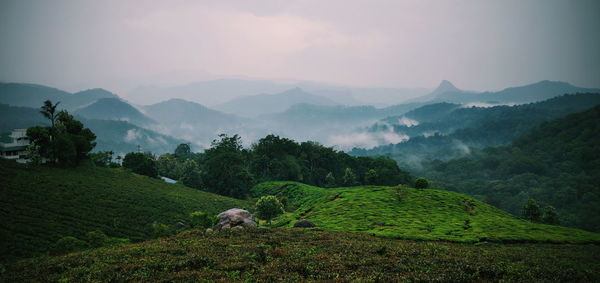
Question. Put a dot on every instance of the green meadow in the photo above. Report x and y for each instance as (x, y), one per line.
(408, 213)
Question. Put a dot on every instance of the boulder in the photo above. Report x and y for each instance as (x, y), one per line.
(180, 226)
(233, 218)
(304, 224)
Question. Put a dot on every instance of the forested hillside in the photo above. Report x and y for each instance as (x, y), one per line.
(444, 131)
(557, 164)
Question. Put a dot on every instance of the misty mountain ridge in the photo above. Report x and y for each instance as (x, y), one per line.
(123, 137)
(514, 95)
(445, 86)
(119, 136)
(220, 91)
(310, 115)
(446, 130)
(194, 122)
(294, 113)
(33, 95)
(86, 97)
(114, 109)
(255, 105)
(180, 110)
(212, 92)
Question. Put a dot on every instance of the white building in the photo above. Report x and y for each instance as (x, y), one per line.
(16, 148)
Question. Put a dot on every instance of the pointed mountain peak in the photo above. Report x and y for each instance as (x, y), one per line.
(445, 86)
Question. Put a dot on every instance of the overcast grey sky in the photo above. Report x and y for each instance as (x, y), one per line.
(479, 45)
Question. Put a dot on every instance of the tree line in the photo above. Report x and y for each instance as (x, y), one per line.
(227, 168)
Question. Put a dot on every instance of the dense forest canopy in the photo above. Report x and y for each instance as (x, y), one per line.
(557, 164)
(229, 169)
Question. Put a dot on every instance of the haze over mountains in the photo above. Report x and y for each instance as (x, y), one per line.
(447, 92)
(297, 112)
(254, 105)
(115, 109)
(32, 95)
(215, 92)
(445, 130)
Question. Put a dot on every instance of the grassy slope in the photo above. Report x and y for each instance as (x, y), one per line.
(40, 205)
(292, 255)
(420, 214)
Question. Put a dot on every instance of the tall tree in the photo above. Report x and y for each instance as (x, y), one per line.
(183, 151)
(49, 111)
(226, 171)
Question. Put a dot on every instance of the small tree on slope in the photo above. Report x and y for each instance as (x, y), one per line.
(531, 211)
(268, 207)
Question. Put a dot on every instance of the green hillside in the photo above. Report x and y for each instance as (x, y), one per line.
(38, 206)
(447, 131)
(411, 214)
(557, 164)
(292, 255)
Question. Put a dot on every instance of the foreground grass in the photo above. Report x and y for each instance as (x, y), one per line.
(412, 214)
(287, 254)
(40, 205)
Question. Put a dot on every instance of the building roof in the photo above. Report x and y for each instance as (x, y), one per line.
(12, 148)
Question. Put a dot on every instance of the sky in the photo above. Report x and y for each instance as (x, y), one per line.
(477, 45)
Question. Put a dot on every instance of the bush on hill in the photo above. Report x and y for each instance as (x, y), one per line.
(141, 163)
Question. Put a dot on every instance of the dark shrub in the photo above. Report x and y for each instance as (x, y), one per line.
(69, 244)
(304, 224)
(421, 183)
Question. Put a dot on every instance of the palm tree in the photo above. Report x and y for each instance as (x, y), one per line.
(49, 111)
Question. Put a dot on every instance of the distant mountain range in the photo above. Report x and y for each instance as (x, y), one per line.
(122, 137)
(444, 87)
(296, 113)
(115, 109)
(447, 92)
(193, 121)
(311, 116)
(32, 95)
(208, 92)
(118, 136)
(444, 130)
(216, 92)
(254, 105)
